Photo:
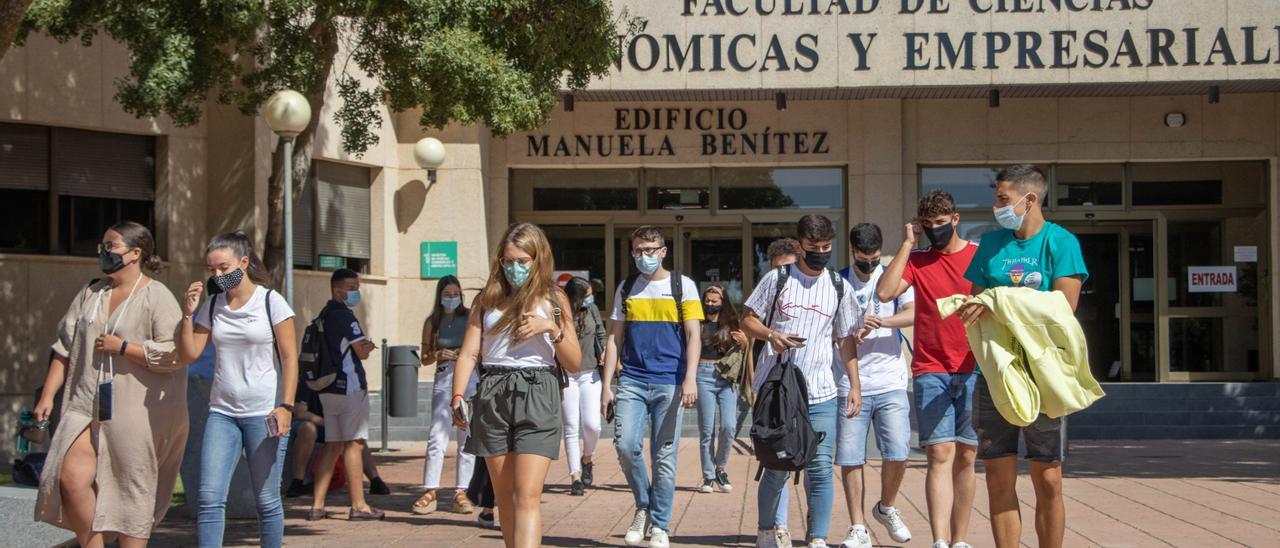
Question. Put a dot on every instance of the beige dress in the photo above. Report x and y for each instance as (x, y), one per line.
(140, 448)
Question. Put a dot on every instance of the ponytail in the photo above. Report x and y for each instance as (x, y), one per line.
(240, 244)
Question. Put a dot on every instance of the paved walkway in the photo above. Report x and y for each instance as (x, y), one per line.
(1164, 493)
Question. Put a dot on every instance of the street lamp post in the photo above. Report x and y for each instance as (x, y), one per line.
(288, 113)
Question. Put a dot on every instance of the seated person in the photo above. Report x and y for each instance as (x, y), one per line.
(307, 433)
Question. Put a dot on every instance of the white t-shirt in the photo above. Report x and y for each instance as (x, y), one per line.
(807, 308)
(499, 350)
(246, 378)
(880, 365)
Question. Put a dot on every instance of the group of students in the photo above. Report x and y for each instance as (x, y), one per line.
(528, 366)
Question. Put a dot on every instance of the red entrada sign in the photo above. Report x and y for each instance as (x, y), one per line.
(1211, 279)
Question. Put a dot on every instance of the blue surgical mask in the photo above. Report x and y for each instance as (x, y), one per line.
(648, 265)
(1008, 217)
(517, 274)
(588, 301)
(353, 298)
(451, 303)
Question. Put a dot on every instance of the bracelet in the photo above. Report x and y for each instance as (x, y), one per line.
(287, 407)
(123, 346)
(559, 337)
(458, 396)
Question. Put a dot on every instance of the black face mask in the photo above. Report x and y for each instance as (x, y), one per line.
(110, 262)
(817, 260)
(939, 236)
(711, 309)
(866, 267)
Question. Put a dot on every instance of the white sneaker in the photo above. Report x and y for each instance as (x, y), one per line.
(940, 544)
(658, 538)
(817, 543)
(782, 536)
(858, 537)
(635, 533)
(765, 538)
(961, 544)
(891, 519)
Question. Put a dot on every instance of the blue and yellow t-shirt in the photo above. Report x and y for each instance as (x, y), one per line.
(654, 346)
(1005, 261)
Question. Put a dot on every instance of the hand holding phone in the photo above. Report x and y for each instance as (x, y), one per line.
(273, 426)
(461, 415)
(798, 342)
(608, 412)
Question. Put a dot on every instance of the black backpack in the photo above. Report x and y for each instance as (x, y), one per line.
(781, 435)
(316, 363)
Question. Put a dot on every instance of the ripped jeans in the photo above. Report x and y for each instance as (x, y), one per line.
(657, 406)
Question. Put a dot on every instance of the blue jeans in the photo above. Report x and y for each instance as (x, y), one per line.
(944, 408)
(818, 486)
(657, 406)
(891, 414)
(715, 393)
(225, 440)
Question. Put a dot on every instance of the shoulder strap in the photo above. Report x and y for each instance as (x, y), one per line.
(629, 284)
(555, 308)
(275, 345)
(838, 281)
(783, 273)
(213, 299)
(677, 293)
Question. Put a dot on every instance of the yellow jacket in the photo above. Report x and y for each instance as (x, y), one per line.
(1036, 329)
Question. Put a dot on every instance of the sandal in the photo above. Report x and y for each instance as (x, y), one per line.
(425, 504)
(462, 504)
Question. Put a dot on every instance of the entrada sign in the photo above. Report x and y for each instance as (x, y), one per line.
(722, 132)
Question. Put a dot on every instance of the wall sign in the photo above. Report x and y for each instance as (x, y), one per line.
(439, 259)
(1246, 253)
(1211, 279)
(330, 262)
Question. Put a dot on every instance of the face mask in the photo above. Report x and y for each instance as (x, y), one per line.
(939, 236)
(451, 303)
(816, 260)
(1008, 217)
(709, 309)
(589, 301)
(228, 281)
(648, 265)
(110, 262)
(866, 267)
(517, 274)
(353, 298)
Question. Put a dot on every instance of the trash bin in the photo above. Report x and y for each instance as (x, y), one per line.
(402, 381)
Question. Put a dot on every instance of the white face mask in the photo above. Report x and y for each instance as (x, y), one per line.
(1008, 217)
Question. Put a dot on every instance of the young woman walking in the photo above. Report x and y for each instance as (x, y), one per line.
(520, 328)
(254, 379)
(722, 340)
(581, 404)
(114, 458)
(441, 338)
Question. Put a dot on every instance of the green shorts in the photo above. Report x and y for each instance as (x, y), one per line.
(516, 411)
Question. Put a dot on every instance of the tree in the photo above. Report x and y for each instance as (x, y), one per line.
(500, 63)
(11, 12)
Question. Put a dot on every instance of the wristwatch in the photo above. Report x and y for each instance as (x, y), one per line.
(287, 407)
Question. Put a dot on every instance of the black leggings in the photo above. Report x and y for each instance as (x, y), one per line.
(480, 490)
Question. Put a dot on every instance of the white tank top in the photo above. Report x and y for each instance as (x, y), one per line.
(497, 349)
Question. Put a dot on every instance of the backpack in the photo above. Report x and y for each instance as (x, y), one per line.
(677, 293)
(315, 363)
(781, 434)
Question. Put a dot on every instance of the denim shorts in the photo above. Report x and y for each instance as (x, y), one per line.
(890, 413)
(944, 408)
(998, 438)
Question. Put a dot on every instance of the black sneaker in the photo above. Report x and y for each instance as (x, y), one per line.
(577, 489)
(722, 479)
(297, 489)
(378, 487)
(707, 486)
(487, 519)
(587, 477)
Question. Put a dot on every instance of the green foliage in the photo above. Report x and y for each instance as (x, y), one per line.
(494, 62)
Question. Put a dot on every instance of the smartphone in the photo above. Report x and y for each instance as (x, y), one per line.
(273, 426)
(608, 412)
(461, 413)
(799, 341)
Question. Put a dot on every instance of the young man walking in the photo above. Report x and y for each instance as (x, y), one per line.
(941, 365)
(806, 313)
(1028, 252)
(346, 401)
(659, 379)
(883, 376)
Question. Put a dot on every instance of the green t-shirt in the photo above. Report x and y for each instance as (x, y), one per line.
(1036, 262)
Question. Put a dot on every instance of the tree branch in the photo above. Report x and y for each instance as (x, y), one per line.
(11, 14)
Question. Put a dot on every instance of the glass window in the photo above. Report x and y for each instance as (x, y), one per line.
(25, 215)
(1090, 185)
(761, 236)
(971, 187)
(579, 249)
(781, 188)
(1235, 184)
(574, 189)
(83, 220)
(715, 257)
(678, 188)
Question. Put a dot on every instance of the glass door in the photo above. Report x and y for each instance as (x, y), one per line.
(713, 255)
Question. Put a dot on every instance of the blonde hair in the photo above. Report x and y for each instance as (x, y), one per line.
(499, 293)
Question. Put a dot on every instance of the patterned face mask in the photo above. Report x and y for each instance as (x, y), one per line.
(228, 281)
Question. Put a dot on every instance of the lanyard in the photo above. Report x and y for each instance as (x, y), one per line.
(111, 329)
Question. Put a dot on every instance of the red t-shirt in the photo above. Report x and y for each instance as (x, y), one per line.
(941, 345)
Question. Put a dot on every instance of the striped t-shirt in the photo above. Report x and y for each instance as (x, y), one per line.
(806, 307)
(654, 346)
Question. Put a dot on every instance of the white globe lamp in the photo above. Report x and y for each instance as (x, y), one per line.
(428, 152)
